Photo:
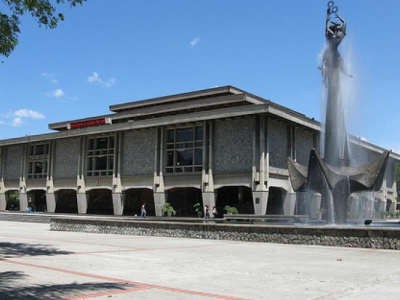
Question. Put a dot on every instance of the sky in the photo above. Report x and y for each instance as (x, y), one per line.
(108, 52)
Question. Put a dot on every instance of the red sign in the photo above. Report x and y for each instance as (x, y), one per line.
(87, 123)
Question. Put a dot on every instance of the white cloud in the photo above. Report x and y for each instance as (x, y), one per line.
(28, 113)
(57, 93)
(194, 42)
(17, 122)
(20, 115)
(95, 79)
(52, 77)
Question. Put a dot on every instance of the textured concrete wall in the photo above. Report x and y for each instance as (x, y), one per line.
(233, 145)
(66, 158)
(304, 143)
(390, 174)
(358, 237)
(13, 162)
(277, 143)
(138, 152)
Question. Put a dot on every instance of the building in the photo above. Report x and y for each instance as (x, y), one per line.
(219, 146)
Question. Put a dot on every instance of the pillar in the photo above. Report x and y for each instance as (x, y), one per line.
(3, 202)
(315, 206)
(260, 200)
(289, 204)
(82, 203)
(50, 202)
(118, 204)
(23, 201)
(209, 199)
(159, 201)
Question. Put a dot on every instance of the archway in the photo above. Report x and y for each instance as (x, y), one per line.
(240, 197)
(183, 200)
(12, 200)
(276, 198)
(100, 202)
(37, 200)
(66, 201)
(134, 198)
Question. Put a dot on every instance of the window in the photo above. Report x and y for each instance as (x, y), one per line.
(38, 156)
(184, 149)
(100, 156)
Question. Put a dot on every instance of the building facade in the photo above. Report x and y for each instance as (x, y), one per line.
(220, 146)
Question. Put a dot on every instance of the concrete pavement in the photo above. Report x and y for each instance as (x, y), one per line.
(36, 263)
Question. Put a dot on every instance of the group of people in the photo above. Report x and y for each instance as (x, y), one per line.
(143, 212)
(207, 212)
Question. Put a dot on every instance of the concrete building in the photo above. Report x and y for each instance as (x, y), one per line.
(220, 146)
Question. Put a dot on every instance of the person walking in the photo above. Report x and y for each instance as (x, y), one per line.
(206, 212)
(143, 211)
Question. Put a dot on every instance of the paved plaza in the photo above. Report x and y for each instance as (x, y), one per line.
(36, 263)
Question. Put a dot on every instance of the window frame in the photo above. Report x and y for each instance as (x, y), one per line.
(98, 155)
(175, 144)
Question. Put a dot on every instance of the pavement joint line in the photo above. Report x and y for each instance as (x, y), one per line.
(111, 279)
(106, 293)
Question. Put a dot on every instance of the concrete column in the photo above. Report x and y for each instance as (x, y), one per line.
(118, 204)
(315, 206)
(82, 203)
(159, 201)
(23, 201)
(50, 202)
(289, 204)
(260, 201)
(3, 202)
(209, 199)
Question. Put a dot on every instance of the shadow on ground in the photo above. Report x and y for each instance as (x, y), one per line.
(12, 287)
(8, 250)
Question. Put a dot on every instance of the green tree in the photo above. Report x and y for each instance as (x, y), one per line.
(43, 11)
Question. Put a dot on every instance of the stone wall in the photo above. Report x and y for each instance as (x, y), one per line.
(359, 237)
(304, 144)
(12, 167)
(277, 144)
(233, 145)
(66, 158)
(138, 152)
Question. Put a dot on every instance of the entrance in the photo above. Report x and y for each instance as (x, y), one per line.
(240, 197)
(134, 198)
(66, 201)
(100, 202)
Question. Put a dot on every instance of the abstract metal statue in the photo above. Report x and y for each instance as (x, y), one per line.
(332, 176)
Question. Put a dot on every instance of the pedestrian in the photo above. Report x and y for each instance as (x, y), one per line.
(143, 211)
(206, 212)
(215, 212)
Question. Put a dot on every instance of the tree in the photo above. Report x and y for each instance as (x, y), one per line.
(43, 11)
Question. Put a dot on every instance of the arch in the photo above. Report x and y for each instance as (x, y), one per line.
(12, 200)
(37, 200)
(135, 197)
(240, 197)
(100, 202)
(276, 200)
(183, 199)
(66, 201)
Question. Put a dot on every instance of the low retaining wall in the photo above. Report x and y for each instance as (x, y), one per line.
(359, 237)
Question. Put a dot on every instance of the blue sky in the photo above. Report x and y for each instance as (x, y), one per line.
(114, 51)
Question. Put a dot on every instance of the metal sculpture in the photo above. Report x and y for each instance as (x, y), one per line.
(332, 176)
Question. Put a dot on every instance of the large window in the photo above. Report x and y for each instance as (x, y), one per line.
(38, 157)
(184, 149)
(100, 156)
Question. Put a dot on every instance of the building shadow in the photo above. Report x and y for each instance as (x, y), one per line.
(12, 286)
(8, 250)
